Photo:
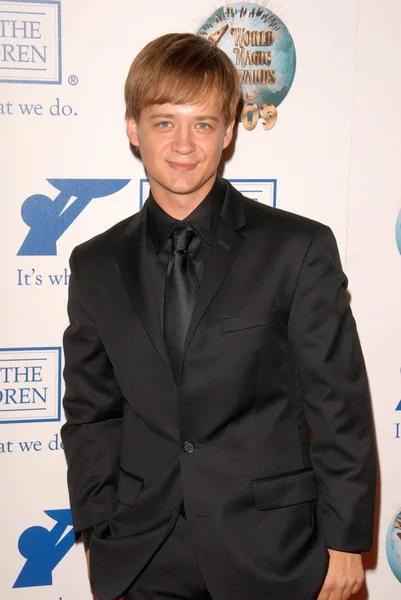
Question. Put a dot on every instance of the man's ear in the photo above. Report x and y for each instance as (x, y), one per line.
(132, 130)
(229, 134)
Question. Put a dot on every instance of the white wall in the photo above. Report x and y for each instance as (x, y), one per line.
(335, 153)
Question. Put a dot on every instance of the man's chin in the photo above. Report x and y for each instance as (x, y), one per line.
(184, 190)
(182, 184)
(183, 187)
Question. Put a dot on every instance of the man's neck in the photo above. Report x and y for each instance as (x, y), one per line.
(179, 206)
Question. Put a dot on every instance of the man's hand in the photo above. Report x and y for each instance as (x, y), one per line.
(344, 577)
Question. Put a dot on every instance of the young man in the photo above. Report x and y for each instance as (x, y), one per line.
(207, 334)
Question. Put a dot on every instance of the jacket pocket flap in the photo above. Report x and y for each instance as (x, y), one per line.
(128, 488)
(247, 321)
(285, 490)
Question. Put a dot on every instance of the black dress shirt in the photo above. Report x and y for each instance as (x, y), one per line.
(203, 221)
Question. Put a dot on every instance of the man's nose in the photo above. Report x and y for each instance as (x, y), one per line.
(183, 142)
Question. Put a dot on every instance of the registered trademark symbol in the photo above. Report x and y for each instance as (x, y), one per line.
(73, 80)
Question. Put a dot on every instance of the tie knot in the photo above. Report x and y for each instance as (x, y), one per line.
(181, 237)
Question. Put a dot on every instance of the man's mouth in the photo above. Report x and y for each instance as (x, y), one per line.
(178, 166)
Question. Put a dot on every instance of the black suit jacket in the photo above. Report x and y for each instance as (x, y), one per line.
(271, 349)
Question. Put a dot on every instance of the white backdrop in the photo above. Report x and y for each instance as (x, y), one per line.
(334, 155)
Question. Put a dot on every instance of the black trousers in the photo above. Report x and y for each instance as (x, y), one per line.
(173, 573)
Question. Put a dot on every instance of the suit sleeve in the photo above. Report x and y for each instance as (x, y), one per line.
(332, 376)
(93, 406)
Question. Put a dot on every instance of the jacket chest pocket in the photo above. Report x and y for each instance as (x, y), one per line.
(250, 321)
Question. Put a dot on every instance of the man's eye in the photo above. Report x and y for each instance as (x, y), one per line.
(164, 124)
(204, 126)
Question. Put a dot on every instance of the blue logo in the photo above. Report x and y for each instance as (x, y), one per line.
(261, 190)
(48, 219)
(30, 36)
(30, 385)
(393, 546)
(44, 549)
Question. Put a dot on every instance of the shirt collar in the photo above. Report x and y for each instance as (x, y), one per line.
(203, 219)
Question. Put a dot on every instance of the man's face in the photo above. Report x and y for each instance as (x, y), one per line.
(181, 147)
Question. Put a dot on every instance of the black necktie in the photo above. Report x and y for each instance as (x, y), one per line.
(180, 294)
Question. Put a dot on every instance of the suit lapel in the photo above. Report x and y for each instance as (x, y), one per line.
(226, 245)
(133, 262)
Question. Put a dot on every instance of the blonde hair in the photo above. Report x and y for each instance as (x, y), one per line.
(181, 68)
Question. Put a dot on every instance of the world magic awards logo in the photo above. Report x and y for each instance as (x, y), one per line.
(393, 546)
(262, 49)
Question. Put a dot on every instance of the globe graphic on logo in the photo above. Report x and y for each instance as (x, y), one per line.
(260, 46)
(398, 231)
(393, 546)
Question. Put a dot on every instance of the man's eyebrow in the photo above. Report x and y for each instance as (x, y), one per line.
(206, 117)
(162, 115)
(197, 118)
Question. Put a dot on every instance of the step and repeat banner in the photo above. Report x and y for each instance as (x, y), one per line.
(320, 135)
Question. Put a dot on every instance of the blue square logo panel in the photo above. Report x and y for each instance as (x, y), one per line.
(30, 385)
(30, 49)
(261, 190)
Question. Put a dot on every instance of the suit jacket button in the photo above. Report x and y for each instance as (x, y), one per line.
(188, 447)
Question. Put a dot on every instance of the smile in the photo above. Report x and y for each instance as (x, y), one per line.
(181, 166)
